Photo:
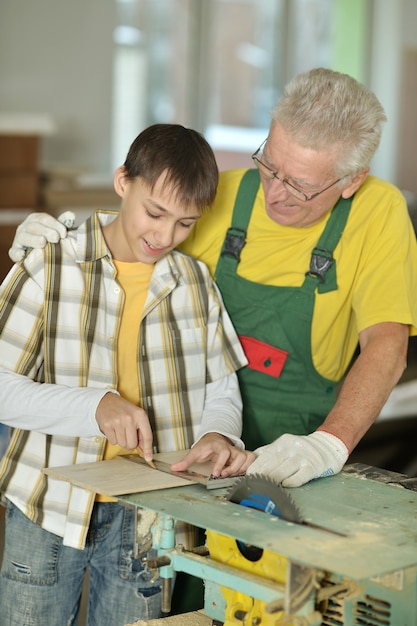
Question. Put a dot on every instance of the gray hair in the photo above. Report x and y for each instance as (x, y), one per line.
(323, 109)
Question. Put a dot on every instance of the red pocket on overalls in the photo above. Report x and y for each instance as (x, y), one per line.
(262, 357)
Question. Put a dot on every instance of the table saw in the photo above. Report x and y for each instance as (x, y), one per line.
(339, 551)
(349, 558)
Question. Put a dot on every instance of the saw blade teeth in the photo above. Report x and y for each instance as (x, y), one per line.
(265, 479)
(240, 480)
(262, 493)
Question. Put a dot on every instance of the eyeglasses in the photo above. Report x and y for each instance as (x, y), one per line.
(297, 193)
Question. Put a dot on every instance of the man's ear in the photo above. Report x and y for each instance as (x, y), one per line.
(355, 183)
(120, 181)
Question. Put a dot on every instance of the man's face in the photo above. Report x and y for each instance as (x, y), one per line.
(150, 223)
(308, 170)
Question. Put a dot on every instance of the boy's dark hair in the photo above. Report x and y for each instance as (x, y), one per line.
(183, 154)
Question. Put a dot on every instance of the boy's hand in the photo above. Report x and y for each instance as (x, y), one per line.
(228, 460)
(125, 424)
(36, 230)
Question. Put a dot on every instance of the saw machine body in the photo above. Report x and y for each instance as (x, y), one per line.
(340, 551)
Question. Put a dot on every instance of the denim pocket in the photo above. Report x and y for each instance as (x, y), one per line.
(30, 553)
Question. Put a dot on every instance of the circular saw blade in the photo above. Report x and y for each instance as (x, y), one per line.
(263, 494)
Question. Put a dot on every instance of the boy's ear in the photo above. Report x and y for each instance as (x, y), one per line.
(120, 181)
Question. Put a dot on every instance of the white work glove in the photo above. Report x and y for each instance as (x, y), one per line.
(294, 460)
(36, 230)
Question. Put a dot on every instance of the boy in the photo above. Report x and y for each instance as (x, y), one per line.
(111, 340)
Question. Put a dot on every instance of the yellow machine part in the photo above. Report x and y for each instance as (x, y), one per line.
(240, 608)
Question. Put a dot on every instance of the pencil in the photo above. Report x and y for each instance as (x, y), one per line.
(142, 456)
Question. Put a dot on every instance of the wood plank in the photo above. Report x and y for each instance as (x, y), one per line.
(120, 476)
(196, 618)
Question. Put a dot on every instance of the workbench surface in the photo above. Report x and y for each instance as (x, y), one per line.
(354, 525)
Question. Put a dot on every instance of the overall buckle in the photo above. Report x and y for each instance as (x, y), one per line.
(234, 242)
(320, 263)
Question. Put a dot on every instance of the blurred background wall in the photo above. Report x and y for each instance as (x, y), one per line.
(104, 69)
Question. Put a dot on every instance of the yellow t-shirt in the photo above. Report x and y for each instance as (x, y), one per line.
(134, 279)
(376, 263)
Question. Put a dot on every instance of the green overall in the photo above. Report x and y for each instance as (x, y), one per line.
(281, 389)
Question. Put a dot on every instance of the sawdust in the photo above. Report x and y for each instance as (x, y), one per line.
(196, 618)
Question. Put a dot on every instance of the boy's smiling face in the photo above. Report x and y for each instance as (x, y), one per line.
(150, 223)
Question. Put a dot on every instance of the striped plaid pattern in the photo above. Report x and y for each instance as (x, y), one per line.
(59, 317)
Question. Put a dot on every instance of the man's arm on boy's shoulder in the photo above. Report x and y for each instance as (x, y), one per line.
(37, 229)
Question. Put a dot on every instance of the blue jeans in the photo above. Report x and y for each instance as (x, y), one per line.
(41, 579)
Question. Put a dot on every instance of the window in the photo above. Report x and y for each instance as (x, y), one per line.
(215, 65)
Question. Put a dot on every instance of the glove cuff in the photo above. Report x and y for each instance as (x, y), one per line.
(337, 444)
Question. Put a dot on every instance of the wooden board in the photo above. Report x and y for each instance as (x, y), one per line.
(196, 618)
(120, 476)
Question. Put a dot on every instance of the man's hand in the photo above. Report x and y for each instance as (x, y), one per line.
(228, 460)
(36, 230)
(125, 424)
(294, 460)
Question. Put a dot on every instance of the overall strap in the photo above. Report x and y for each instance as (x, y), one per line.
(236, 235)
(322, 272)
